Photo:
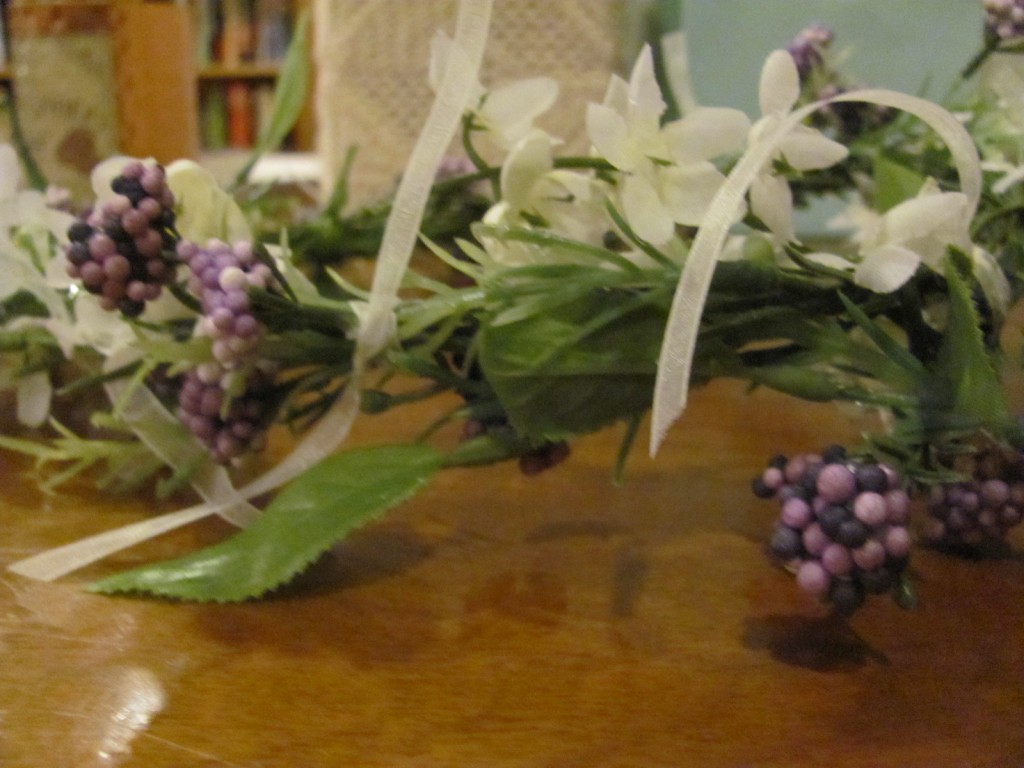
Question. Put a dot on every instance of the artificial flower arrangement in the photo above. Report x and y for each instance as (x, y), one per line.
(578, 292)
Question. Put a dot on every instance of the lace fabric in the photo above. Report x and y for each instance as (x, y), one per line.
(371, 63)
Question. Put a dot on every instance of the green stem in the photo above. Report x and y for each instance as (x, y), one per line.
(475, 157)
(991, 46)
(33, 174)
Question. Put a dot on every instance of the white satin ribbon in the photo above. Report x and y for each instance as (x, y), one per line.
(374, 334)
(679, 342)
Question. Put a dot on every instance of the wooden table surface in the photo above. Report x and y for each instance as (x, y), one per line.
(498, 620)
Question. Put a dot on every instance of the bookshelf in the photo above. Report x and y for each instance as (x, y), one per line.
(238, 48)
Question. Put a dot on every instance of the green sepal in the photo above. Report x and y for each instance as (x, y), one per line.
(315, 511)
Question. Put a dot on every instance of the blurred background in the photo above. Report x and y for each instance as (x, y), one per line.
(196, 78)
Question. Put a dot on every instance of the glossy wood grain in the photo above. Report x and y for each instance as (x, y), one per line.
(498, 620)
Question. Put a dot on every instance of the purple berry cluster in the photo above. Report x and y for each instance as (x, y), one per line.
(981, 509)
(124, 251)
(806, 48)
(230, 426)
(1004, 19)
(842, 525)
(533, 461)
(220, 277)
(543, 458)
(227, 402)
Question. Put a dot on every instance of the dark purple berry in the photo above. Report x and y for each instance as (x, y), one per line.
(130, 308)
(871, 477)
(78, 253)
(833, 454)
(851, 533)
(877, 581)
(786, 542)
(831, 519)
(846, 595)
(79, 232)
(761, 489)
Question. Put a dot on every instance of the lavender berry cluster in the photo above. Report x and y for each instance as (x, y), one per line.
(842, 526)
(981, 509)
(1004, 19)
(807, 47)
(124, 251)
(227, 402)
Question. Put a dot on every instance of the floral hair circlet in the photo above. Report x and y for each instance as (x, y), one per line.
(574, 292)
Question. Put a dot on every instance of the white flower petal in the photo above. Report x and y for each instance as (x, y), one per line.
(644, 211)
(34, 393)
(885, 269)
(644, 92)
(771, 200)
(519, 104)
(617, 95)
(677, 70)
(925, 214)
(207, 211)
(529, 159)
(687, 191)
(780, 84)
(706, 133)
(806, 149)
(609, 134)
(832, 260)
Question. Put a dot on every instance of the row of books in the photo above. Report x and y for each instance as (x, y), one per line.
(235, 32)
(231, 34)
(232, 112)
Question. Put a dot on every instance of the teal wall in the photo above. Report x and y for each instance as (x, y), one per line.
(916, 46)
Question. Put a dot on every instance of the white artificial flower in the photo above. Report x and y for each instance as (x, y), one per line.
(505, 113)
(669, 178)
(30, 232)
(568, 203)
(893, 245)
(918, 230)
(803, 148)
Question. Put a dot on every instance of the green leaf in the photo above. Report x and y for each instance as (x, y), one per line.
(316, 510)
(894, 183)
(964, 363)
(289, 96)
(577, 367)
(898, 354)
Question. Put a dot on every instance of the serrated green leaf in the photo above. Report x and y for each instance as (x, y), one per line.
(315, 511)
(964, 363)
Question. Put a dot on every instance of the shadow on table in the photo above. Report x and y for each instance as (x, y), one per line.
(823, 644)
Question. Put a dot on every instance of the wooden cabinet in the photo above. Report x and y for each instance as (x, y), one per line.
(98, 77)
(155, 80)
